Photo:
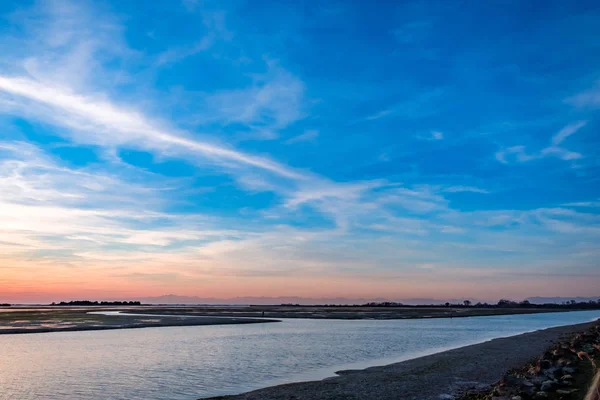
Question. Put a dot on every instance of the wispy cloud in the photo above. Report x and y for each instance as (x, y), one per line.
(433, 135)
(417, 107)
(520, 154)
(118, 125)
(458, 189)
(176, 55)
(380, 114)
(587, 99)
(66, 43)
(583, 204)
(215, 30)
(421, 199)
(309, 135)
(273, 101)
(566, 132)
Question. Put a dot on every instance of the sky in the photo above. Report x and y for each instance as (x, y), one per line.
(317, 149)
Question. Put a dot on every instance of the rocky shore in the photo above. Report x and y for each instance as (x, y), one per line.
(467, 373)
(564, 371)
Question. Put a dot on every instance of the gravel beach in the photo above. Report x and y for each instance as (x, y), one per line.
(438, 376)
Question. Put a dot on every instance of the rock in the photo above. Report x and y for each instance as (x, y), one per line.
(569, 370)
(541, 395)
(563, 361)
(446, 397)
(516, 398)
(566, 377)
(528, 390)
(563, 391)
(588, 348)
(566, 392)
(547, 385)
(551, 372)
(538, 380)
(512, 380)
(545, 364)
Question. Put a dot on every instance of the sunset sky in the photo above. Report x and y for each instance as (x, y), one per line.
(318, 149)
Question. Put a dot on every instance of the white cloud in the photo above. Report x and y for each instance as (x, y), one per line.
(566, 132)
(215, 31)
(97, 121)
(456, 189)
(421, 199)
(350, 191)
(66, 43)
(583, 204)
(309, 135)
(380, 114)
(437, 135)
(587, 99)
(519, 153)
(416, 107)
(432, 136)
(174, 55)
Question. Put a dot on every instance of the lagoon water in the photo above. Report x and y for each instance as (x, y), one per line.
(186, 363)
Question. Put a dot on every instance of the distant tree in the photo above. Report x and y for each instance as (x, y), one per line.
(525, 303)
(467, 303)
(95, 303)
(447, 304)
(506, 303)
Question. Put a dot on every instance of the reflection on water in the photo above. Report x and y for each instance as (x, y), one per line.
(185, 363)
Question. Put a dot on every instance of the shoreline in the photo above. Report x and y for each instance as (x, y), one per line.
(447, 374)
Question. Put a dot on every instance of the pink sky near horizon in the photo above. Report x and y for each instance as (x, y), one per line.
(45, 285)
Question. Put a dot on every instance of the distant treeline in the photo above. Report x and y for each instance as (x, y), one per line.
(4, 305)
(97, 303)
(589, 305)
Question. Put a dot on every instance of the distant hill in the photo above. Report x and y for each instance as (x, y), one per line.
(560, 300)
(174, 299)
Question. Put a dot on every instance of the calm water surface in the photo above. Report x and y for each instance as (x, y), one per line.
(185, 363)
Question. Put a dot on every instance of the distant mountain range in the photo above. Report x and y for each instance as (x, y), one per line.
(174, 299)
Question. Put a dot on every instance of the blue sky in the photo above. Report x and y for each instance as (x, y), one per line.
(396, 149)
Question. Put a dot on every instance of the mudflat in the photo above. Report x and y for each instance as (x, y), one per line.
(444, 375)
(59, 319)
(345, 312)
